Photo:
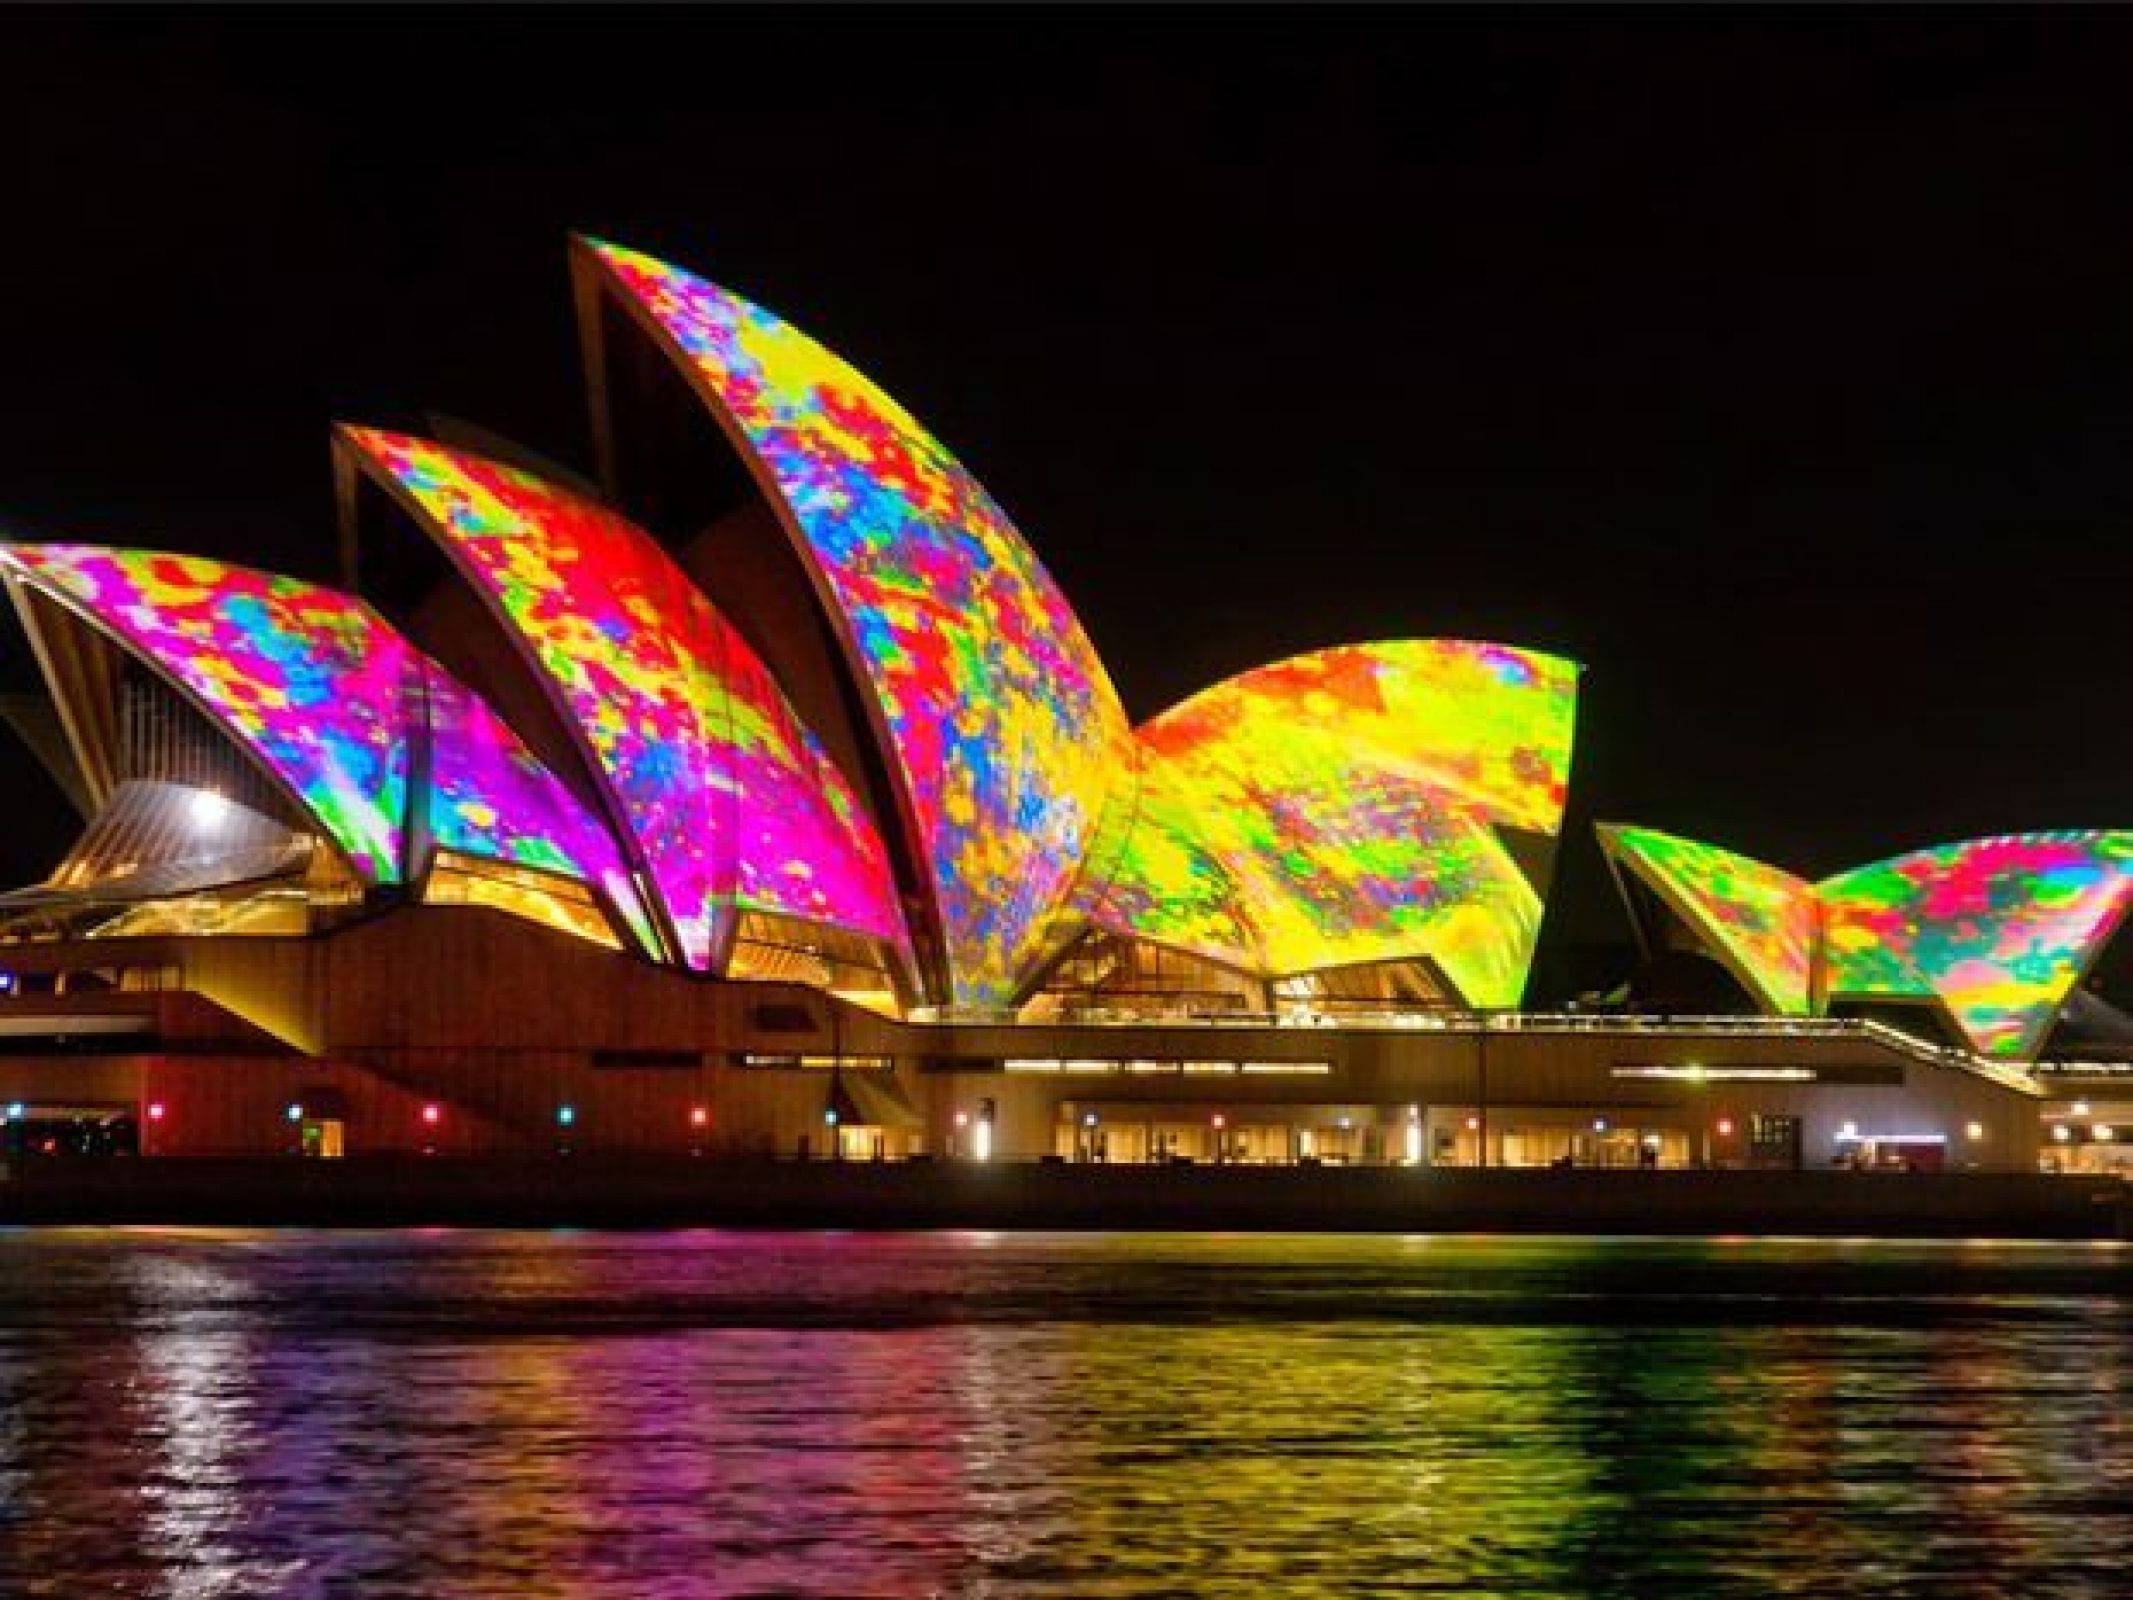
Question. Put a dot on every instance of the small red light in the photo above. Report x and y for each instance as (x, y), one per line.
(1725, 1127)
(155, 1111)
(698, 1116)
(432, 1114)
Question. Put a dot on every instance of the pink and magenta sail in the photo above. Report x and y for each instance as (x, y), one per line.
(330, 701)
(727, 801)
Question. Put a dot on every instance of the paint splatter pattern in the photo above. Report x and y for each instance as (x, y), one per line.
(324, 693)
(1005, 733)
(1998, 930)
(1763, 920)
(1342, 807)
(731, 802)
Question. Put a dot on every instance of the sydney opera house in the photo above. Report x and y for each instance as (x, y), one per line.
(760, 794)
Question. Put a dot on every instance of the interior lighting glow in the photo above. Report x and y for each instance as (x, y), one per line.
(1974, 1130)
(208, 810)
(2061, 1133)
(1718, 1074)
(981, 1140)
(1725, 1127)
(2102, 1132)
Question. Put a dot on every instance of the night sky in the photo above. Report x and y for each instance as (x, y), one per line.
(1779, 370)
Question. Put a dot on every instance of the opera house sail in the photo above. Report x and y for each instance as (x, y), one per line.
(1993, 932)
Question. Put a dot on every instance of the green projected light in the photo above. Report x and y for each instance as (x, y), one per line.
(1757, 919)
(1996, 932)
(1342, 808)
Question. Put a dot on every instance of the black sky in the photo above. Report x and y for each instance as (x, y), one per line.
(1779, 368)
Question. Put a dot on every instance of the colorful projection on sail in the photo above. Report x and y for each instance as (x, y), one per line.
(1005, 735)
(1342, 807)
(1762, 922)
(326, 696)
(490, 797)
(731, 803)
(1998, 930)
(1995, 931)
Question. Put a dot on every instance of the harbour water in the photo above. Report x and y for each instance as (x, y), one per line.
(643, 1416)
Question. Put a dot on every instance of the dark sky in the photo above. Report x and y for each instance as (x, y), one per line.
(1779, 369)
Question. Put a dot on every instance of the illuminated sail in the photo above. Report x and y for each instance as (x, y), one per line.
(1761, 922)
(330, 700)
(1342, 807)
(1004, 735)
(731, 803)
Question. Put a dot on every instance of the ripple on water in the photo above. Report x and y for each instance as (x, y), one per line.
(702, 1414)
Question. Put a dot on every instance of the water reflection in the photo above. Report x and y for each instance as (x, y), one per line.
(587, 1416)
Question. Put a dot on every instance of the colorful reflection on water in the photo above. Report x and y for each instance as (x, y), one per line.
(703, 1414)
